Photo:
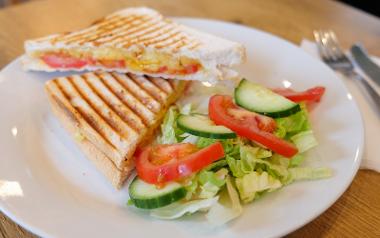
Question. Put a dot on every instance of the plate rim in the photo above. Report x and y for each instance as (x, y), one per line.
(358, 157)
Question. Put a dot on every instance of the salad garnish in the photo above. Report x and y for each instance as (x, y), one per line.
(247, 146)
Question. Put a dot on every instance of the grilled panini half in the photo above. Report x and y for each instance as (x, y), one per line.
(110, 114)
(140, 41)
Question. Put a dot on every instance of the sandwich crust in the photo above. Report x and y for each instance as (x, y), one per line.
(112, 113)
(137, 35)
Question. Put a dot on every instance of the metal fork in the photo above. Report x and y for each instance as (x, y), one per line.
(332, 54)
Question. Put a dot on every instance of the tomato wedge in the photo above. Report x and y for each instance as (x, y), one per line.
(311, 95)
(253, 126)
(163, 163)
(57, 60)
(112, 63)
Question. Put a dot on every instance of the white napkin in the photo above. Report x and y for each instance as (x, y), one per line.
(371, 155)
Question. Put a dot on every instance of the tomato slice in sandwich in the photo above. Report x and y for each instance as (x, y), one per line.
(253, 126)
(163, 163)
(56, 60)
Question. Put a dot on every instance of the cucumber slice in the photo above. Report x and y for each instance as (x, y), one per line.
(201, 125)
(148, 196)
(257, 98)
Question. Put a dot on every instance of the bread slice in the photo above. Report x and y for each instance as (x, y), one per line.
(140, 41)
(111, 114)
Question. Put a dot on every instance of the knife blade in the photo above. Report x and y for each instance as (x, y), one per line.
(365, 63)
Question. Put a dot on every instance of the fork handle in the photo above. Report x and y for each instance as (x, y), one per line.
(372, 93)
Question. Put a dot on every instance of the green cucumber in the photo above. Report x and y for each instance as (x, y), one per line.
(201, 125)
(257, 98)
(148, 196)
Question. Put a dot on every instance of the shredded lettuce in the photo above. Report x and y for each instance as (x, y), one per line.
(178, 209)
(296, 160)
(247, 172)
(304, 140)
(309, 173)
(170, 133)
(227, 208)
(293, 124)
(206, 184)
(230, 146)
(211, 182)
(250, 184)
(168, 127)
(216, 165)
(257, 159)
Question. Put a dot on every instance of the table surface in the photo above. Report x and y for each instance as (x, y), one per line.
(357, 212)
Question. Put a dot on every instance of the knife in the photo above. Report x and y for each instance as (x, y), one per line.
(365, 63)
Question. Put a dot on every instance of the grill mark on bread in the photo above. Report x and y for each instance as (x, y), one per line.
(133, 32)
(194, 44)
(94, 27)
(124, 25)
(94, 30)
(162, 84)
(157, 40)
(149, 87)
(65, 110)
(89, 119)
(127, 124)
(79, 101)
(98, 29)
(148, 29)
(103, 111)
(121, 109)
(172, 42)
(92, 118)
(123, 94)
(150, 33)
(138, 92)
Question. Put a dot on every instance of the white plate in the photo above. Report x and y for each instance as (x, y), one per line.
(47, 186)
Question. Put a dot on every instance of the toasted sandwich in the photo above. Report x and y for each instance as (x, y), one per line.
(139, 41)
(111, 114)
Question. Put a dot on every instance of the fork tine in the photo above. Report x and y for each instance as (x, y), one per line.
(320, 45)
(330, 45)
(329, 48)
(335, 43)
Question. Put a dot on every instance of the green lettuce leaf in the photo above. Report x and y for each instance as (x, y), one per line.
(253, 183)
(206, 184)
(258, 159)
(304, 141)
(227, 208)
(293, 124)
(230, 146)
(308, 173)
(296, 160)
(211, 182)
(168, 127)
(217, 165)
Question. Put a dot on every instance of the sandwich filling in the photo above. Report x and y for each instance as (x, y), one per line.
(142, 61)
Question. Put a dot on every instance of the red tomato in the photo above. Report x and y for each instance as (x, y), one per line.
(311, 95)
(162, 69)
(191, 69)
(163, 163)
(112, 63)
(57, 60)
(250, 125)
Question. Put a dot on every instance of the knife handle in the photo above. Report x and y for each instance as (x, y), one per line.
(372, 93)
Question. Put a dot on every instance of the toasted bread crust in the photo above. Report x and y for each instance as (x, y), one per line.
(131, 32)
(112, 124)
(100, 160)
